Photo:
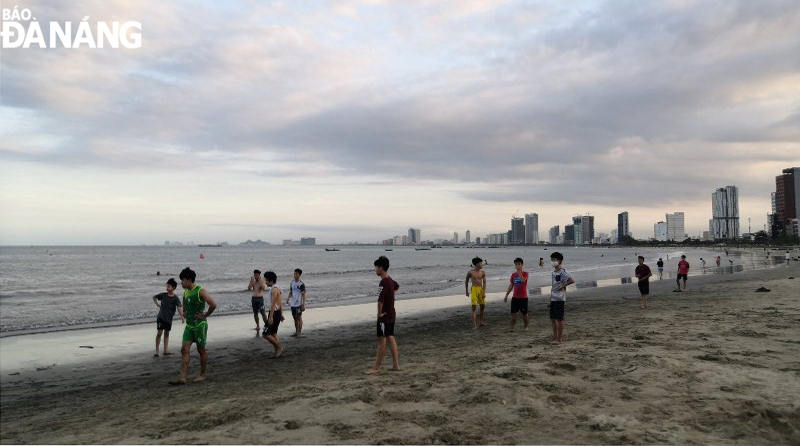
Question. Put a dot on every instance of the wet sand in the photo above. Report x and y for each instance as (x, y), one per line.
(717, 364)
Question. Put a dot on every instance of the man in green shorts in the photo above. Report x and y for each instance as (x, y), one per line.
(195, 299)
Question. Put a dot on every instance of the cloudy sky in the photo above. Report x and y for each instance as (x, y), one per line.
(352, 120)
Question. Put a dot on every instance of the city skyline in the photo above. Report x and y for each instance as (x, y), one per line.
(354, 122)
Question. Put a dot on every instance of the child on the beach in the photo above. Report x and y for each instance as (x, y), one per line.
(519, 301)
(386, 316)
(275, 313)
(660, 265)
(297, 302)
(477, 292)
(558, 296)
(643, 274)
(167, 302)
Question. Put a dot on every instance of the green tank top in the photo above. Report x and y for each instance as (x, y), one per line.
(193, 304)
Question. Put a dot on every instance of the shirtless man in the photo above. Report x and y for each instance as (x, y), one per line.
(257, 286)
(477, 293)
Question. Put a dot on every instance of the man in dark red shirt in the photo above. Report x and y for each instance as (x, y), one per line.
(519, 301)
(643, 274)
(386, 316)
(683, 272)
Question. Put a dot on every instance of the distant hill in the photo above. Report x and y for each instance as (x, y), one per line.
(254, 243)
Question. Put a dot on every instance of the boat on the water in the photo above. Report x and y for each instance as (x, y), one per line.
(331, 249)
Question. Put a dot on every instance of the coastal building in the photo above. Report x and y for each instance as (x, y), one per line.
(517, 236)
(660, 231)
(414, 236)
(531, 229)
(397, 240)
(623, 228)
(477, 240)
(455, 238)
(675, 227)
(707, 236)
(584, 229)
(569, 234)
(552, 234)
(287, 242)
(725, 212)
(787, 198)
(405, 240)
(560, 239)
(467, 237)
(613, 239)
(308, 241)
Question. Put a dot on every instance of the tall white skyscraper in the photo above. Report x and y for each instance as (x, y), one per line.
(455, 238)
(414, 236)
(660, 231)
(725, 212)
(675, 228)
(467, 238)
(531, 229)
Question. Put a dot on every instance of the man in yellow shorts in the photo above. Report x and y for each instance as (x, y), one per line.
(478, 292)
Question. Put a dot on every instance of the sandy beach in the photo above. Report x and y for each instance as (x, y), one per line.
(718, 364)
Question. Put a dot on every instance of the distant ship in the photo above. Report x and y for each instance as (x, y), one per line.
(422, 249)
(331, 249)
(211, 246)
(389, 249)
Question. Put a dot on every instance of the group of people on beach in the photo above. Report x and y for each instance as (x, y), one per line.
(197, 305)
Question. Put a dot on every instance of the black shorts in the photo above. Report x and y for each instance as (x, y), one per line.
(258, 306)
(519, 306)
(557, 310)
(161, 324)
(385, 329)
(273, 328)
(296, 312)
(644, 287)
(682, 276)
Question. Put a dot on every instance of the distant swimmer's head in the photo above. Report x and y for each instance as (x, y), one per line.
(641, 260)
(270, 278)
(477, 262)
(381, 265)
(187, 277)
(556, 258)
(297, 273)
(171, 284)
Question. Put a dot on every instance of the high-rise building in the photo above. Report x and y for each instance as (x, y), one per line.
(397, 240)
(467, 238)
(725, 212)
(584, 229)
(623, 228)
(569, 234)
(414, 236)
(660, 231)
(517, 233)
(787, 197)
(308, 241)
(455, 238)
(675, 228)
(552, 235)
(531, 229)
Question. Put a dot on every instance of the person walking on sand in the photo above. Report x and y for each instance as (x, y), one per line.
(719, 259)
(788, 258)
(519, 302)
(702, 264)
(297, 302)
(560, 280)
(683, 273)
(275, 313)
(195, 299)
(167, 302)
(386, 316)
(643, 274)
(541, 262)
(660, 265)
(257, 286)
(477, 292)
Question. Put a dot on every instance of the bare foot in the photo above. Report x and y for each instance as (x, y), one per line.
(483, 324)
(278, 352)
(293, 335)
(395, 369)
(167, 353)
(156, 355)
(199, 378)
(373, 371)
(474, 327)
(525, 329)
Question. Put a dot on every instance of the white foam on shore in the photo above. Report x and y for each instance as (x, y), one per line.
(41, 350)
